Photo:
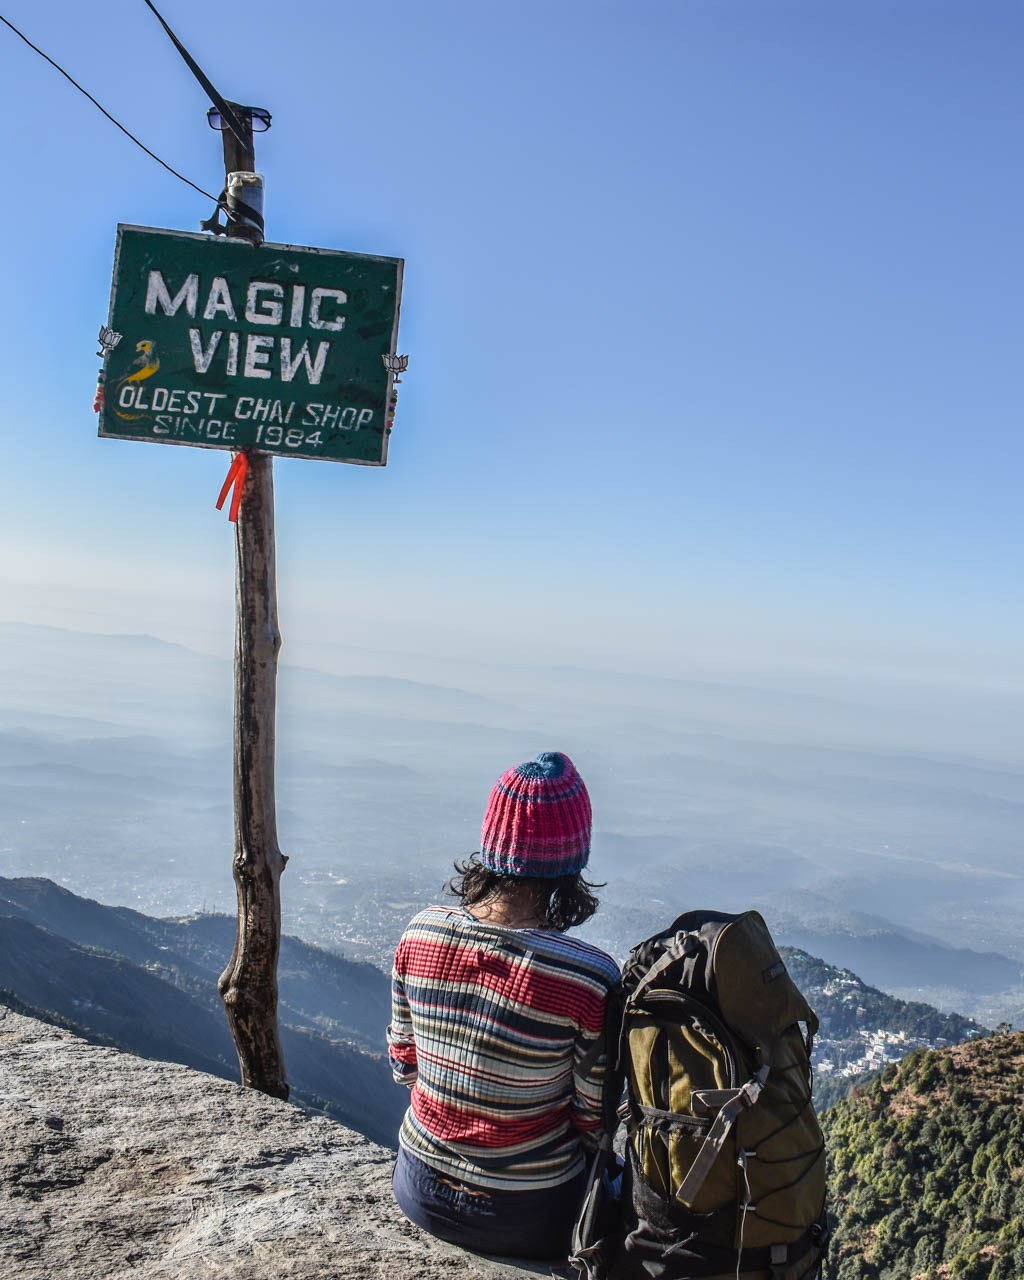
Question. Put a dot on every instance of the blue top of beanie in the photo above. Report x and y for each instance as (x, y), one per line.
(549, 764)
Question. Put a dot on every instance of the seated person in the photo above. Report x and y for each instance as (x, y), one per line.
(494, 1011)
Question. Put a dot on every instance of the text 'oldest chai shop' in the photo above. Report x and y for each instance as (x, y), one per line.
(227, 346)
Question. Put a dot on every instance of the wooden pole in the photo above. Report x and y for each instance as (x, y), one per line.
(248, 986)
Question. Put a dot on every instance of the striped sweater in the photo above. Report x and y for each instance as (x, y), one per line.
(488, 1026)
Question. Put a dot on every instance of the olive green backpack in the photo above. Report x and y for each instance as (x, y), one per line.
(725, 1163)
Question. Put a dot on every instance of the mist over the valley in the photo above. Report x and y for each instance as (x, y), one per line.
(876, 825)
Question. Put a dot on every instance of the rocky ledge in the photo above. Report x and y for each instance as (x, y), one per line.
(118, 1168)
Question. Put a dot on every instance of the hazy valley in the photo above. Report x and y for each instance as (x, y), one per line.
(899, 862)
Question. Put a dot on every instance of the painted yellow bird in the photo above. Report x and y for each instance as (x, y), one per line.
(145, 364)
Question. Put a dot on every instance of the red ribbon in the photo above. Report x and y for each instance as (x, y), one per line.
(237, 472)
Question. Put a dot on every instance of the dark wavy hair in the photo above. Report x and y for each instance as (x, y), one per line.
(561, 902)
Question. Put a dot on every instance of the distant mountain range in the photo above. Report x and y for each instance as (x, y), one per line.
(898, 861)
(863, 1029)
(822, 917)
(150, 986)
(845, 1004)
(901, 958)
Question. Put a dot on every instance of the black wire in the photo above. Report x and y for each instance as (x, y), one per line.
(59, 68)
(230, 119)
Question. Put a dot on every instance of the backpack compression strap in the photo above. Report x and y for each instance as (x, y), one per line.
(711, 1148)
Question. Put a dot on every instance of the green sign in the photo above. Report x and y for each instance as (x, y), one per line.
(226, 346)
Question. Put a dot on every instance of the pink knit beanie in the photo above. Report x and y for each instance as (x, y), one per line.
(538, 820)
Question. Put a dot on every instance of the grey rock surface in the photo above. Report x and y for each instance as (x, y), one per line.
(115, 1167)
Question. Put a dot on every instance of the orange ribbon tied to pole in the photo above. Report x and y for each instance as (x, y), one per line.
(237, 472)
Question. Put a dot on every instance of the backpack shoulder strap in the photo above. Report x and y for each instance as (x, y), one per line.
(677, 949)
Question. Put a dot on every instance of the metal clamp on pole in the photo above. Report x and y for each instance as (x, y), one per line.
(245, 205)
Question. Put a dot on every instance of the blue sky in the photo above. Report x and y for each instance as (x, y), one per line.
(713, 309)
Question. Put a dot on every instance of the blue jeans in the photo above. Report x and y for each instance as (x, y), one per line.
(511, 1224)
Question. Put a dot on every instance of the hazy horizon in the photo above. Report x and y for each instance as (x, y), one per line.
(115, 774)
(713, 334)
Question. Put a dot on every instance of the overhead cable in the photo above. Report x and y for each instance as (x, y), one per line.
(230, 119)
(126, 132)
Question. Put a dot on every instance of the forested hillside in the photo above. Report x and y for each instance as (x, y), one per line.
(926, 1168)
(862, 1028)
(845, 1003)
